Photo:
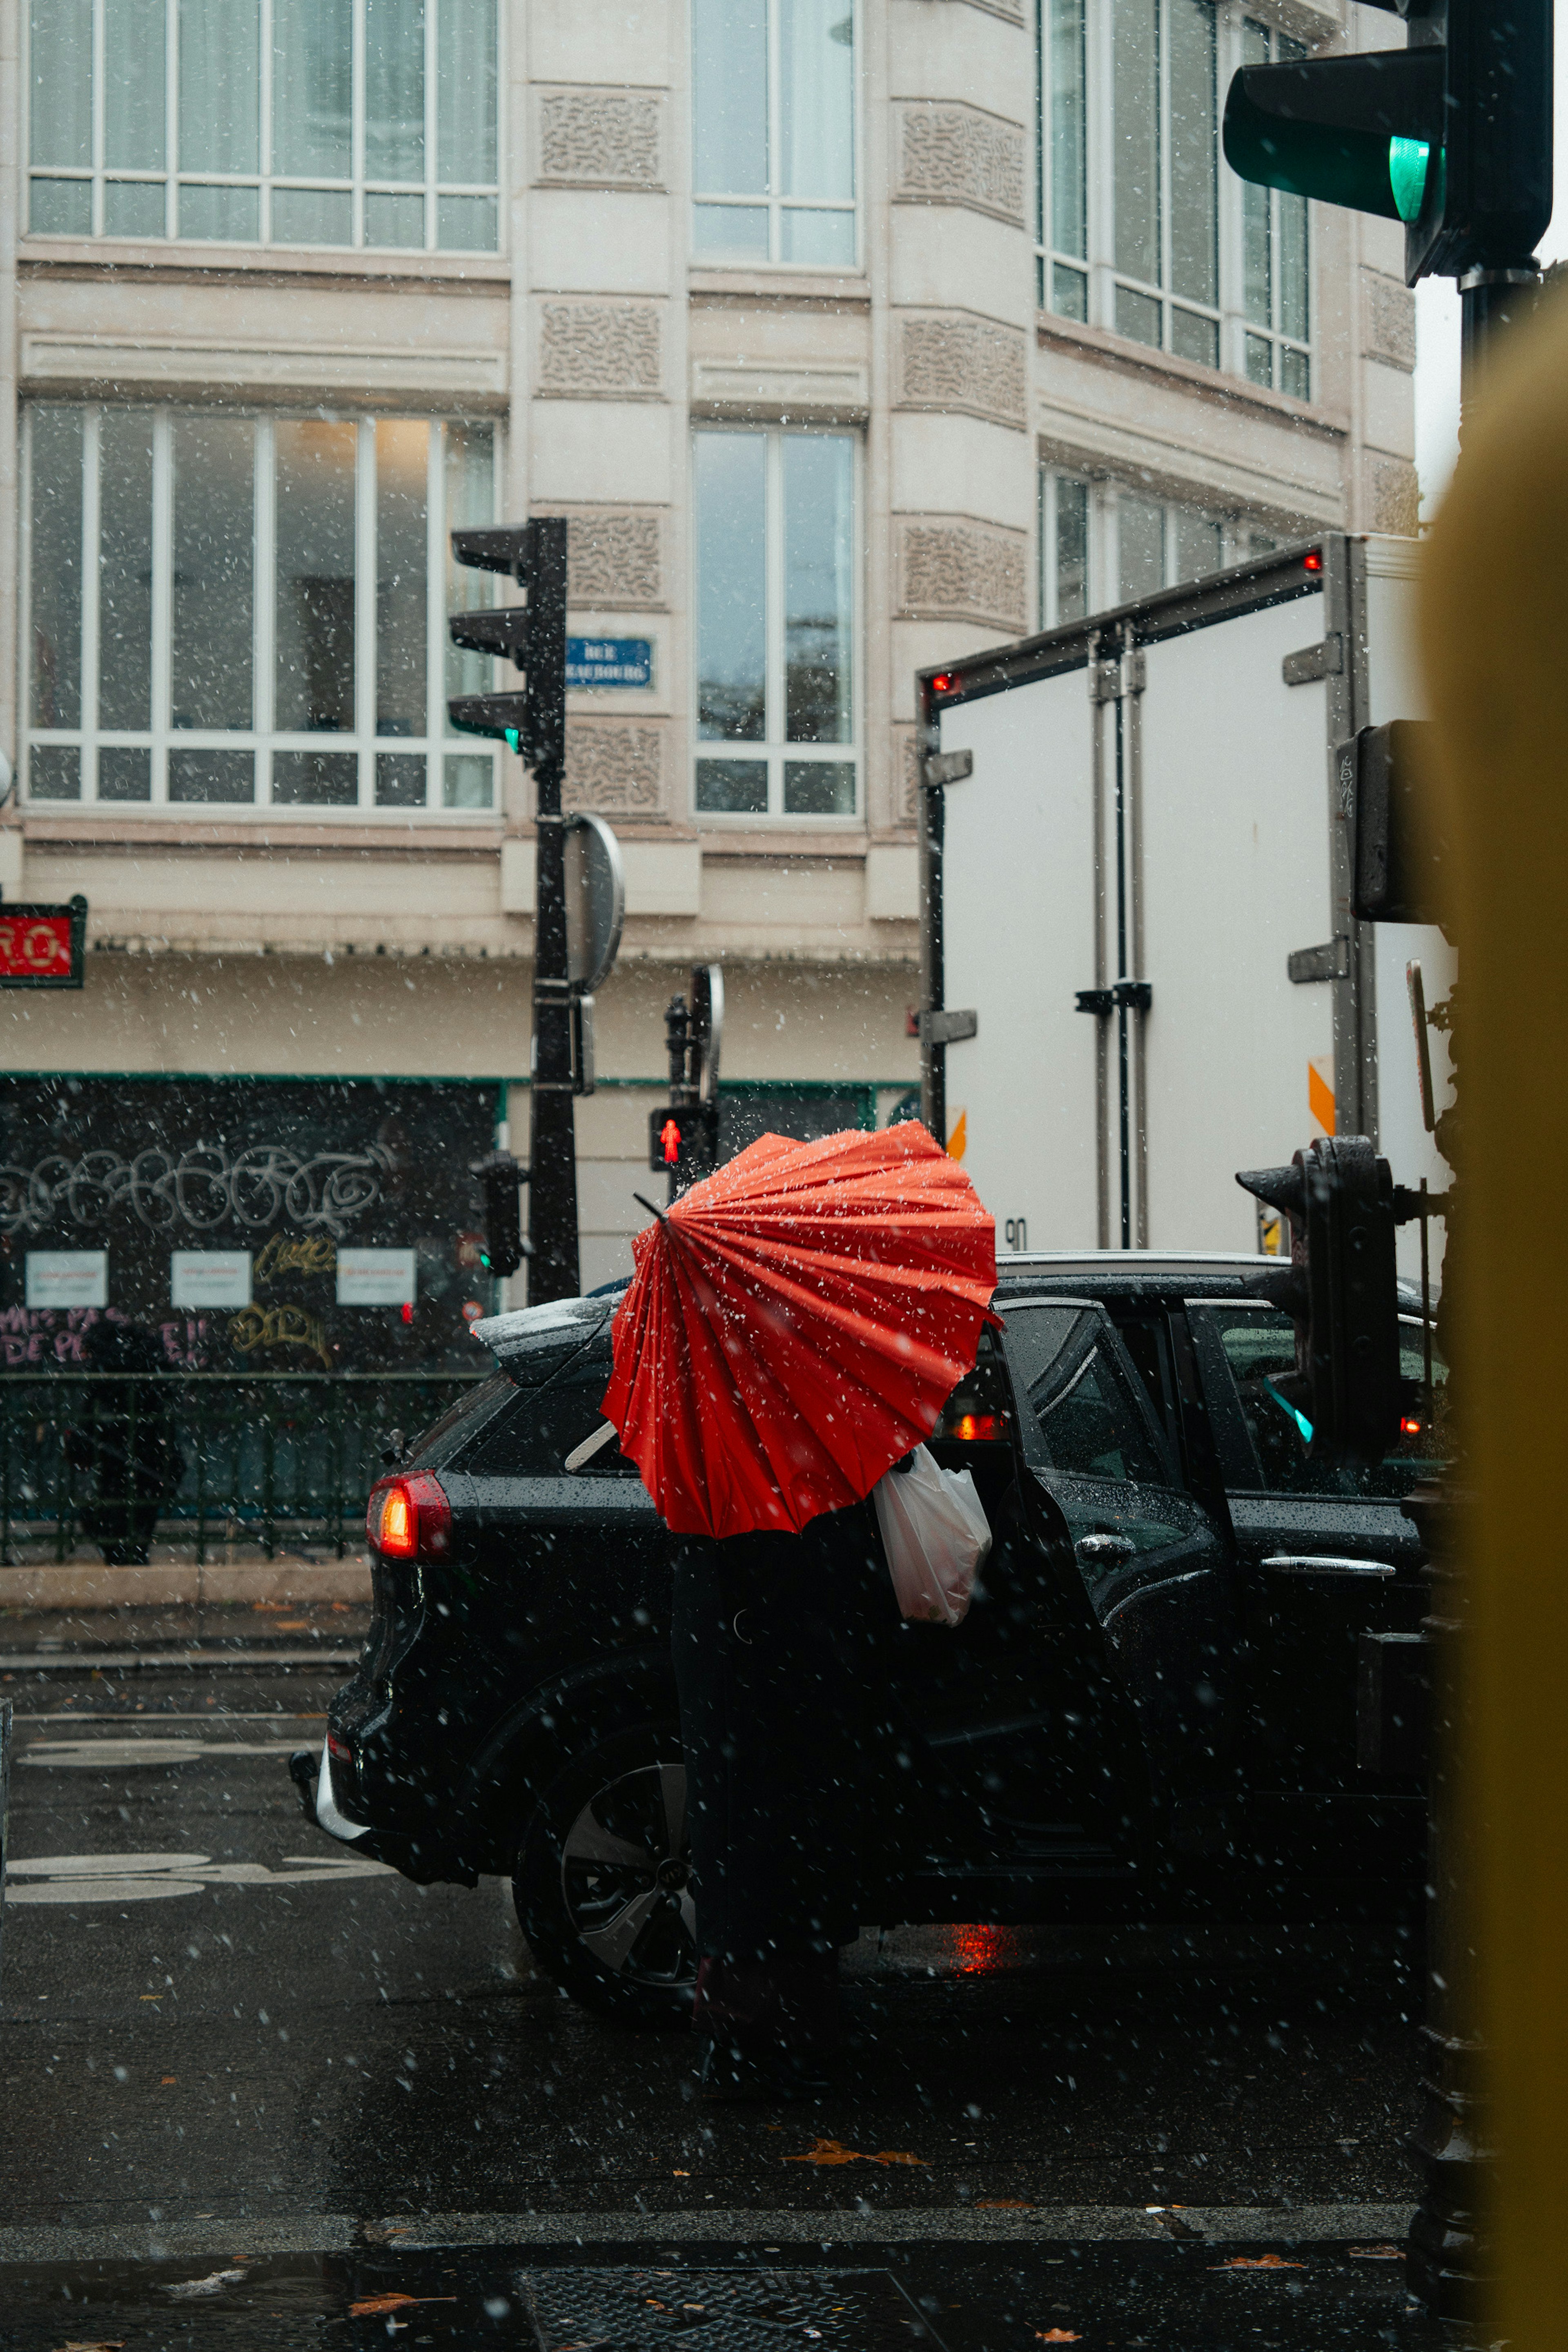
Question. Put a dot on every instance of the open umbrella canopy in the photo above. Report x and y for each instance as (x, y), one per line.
(795, 1325)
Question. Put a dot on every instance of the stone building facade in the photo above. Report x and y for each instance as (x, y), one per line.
(850, 335)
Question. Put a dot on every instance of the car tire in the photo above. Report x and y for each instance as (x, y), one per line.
(601, 1886)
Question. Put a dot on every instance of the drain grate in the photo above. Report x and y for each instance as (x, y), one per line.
(750, 2310)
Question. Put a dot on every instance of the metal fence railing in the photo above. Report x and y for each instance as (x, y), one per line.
(269, 1459)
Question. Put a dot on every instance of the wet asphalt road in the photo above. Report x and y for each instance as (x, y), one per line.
(237, 2054)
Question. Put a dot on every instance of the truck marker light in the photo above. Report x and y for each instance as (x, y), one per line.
(1313, 559)
(942, 685)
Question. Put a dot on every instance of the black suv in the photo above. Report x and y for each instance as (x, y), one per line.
(1150, 1712)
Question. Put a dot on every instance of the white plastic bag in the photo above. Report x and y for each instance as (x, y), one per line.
(936, 1533)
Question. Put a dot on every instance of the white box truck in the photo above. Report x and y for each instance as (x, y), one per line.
(1140, 967)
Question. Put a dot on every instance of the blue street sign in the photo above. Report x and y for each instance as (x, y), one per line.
(609, 661)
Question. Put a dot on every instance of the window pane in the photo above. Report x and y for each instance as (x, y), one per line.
(1194, 152)
(214, 542)
(395, 91)
(1135, 67)
(133, 90)
(402, 459)
(818, 555)
(312, 216)
(400, 780)
(54, 772)
(220, 86)
(133, 208)
(1293, 266)
(1257, 280)
(1193, 337)
(468, 780)
(1259, 359)
(312, 68)
(1199, 547)
(60, 57)
(1068, 225)
(60, 208)
(739, 229)
(394, 220)
(1141, 534)
(816, 80)
(315, 778)
(731, 472)
(56, 617)
(1072, 549)
(316, 576)
(469, 490)
(730, 787)
(826, 240)
(1070, 293)
(1295, 374)
(228, 216)
(465, 224)
(212, 775)
(124, 772)
(1090, 1428)
(1138, 316)
(125, 570)
(819, 787)
(465, 93)
(729, 97)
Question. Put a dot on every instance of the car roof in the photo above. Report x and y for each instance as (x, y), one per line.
(1191, 1273)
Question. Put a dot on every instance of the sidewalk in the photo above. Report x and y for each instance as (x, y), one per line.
(108, 1629)
(232, 1573)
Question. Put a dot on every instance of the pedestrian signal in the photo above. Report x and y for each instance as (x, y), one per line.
(683, 1141)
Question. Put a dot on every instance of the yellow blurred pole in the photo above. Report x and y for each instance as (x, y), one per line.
(1494, 642)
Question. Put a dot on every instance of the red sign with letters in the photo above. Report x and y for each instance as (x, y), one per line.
(41, 946)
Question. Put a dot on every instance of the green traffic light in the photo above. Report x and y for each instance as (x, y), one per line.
(1408, 163)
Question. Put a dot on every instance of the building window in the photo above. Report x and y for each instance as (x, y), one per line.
(250, 612)
(1106, 543)
(773, 124)
(1134, 211)
(330, 122)
(777, 723)
(1274, 257)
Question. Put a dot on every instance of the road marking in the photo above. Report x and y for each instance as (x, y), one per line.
(144, 1748)
(80, 1878)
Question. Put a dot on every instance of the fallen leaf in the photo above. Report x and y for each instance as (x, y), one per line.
(833, 2151)
(114, 2344)
(1258, 2263)
(168, 2078)
(1377, 2253)
(293, 1624)
(1055, 2335)
(678, 2175)
(1003, 2205)
(370, 2306)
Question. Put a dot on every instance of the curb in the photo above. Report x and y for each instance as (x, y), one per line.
(183, 1583)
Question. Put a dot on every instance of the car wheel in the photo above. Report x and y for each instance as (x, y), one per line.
(601, 1887)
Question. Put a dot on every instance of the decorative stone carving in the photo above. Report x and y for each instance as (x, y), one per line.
(954, 569)
(593, 138)
(954, 155)
(1388, 331)
(600, 350)
(1394, 496)
(614, 767)
(906, 775)
(952, 361)
(615, 557)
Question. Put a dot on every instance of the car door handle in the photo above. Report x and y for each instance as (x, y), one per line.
(1322, 1563)
(1101, 1551)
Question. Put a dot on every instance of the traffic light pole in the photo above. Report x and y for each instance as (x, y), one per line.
(552, 1151)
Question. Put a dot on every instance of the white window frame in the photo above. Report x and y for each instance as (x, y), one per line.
(776, 205)
(162, 737)
(357, 186)
(1241, 535)
(774, 748)
(1100, 263)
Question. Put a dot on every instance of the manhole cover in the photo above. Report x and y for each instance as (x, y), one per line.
(722, 2311)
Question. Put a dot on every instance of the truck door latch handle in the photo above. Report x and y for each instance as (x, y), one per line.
(1121, 996)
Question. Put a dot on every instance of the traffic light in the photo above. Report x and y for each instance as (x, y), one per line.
(683, 1141)
(501, 1179)
(532, 636)
(1339, 1199)
(1452, 135)
(1399, 859)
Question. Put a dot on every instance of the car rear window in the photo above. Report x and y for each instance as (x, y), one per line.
(458, 1426)
(548, 1424)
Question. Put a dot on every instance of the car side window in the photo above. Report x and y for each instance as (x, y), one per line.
(1259, 1346)
(546, 1424)
(1086, 1420)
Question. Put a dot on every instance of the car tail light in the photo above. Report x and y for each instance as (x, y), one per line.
(983, 1426)
(409, 1518)
(339, 1749)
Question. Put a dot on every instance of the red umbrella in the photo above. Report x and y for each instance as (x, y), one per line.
(795, 1325)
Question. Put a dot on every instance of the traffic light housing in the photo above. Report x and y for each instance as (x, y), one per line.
(1339, 1199)
(683, 1141)
(530, 635)
(501, 1179)
(1452, 134)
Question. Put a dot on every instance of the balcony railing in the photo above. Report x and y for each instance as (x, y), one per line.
(201, 1459)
